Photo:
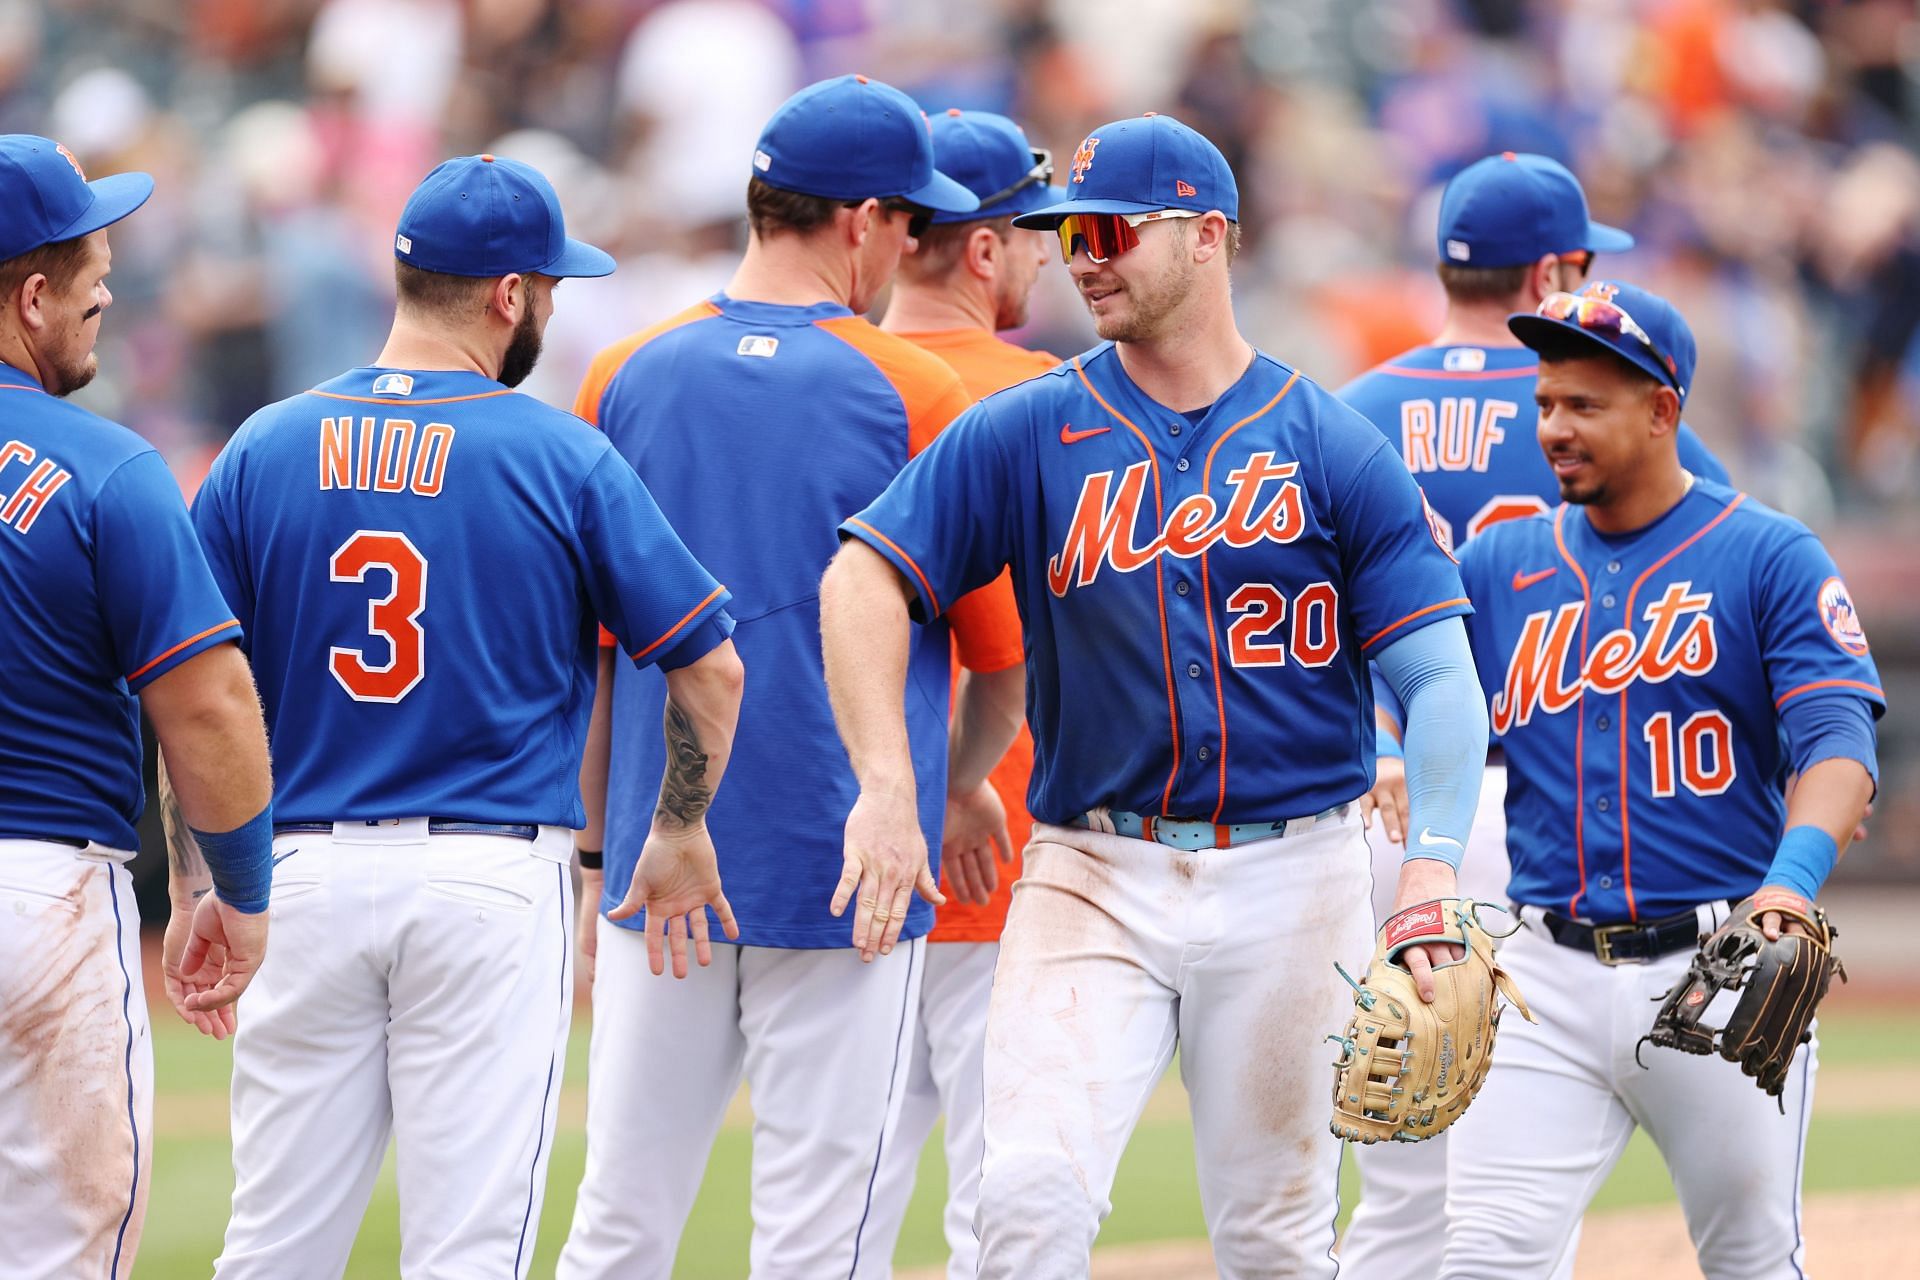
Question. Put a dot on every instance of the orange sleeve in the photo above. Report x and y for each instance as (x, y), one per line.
(930, 390)
(986, 627)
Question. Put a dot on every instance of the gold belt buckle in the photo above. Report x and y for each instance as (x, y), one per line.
(1603, 936)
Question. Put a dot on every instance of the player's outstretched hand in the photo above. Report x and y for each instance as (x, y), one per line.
(885, 862)
(209, 955)
(1388, 798)
(591, 885)
(676, 880)
(975, 832)
(1423, 880)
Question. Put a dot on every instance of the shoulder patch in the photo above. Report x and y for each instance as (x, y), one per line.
(1842, 623)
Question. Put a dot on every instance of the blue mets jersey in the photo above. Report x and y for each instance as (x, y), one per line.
(419, 559)
(1464, 420)
(103, 589)
(1637, 682)
(1200, 597)
(761, 427)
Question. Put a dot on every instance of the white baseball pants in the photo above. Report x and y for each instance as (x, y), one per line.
(419, 986)
(1400, 1226)
(942, 1078)
(76, 1064)
(823, 1041)
(1564, 1096)
(1115, 951)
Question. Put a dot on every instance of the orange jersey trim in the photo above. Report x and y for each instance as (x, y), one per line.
(930, 391)
(1626, 837)
(1206, 593)
(586, 403)
(402, 403)
(675, 628)
(188, 643)
(1159, 584)
(1415, 616)
(926, 588)
(1580, 726)
(1861, 685)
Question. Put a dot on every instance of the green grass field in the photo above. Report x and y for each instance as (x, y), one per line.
(1851, 1147)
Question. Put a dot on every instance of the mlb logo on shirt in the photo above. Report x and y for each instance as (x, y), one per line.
(757, 344)
(393, 384)
(1464, 360)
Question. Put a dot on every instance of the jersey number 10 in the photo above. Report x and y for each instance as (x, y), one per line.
(394, 617)
(1703, 749)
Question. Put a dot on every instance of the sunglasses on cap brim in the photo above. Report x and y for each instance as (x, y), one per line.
(1108, 235)
(1040, 175)
(919, 217)
(1608, 319)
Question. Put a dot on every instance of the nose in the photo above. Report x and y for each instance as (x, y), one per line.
(106, 296)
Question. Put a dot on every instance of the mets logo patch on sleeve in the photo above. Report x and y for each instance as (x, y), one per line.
(1843, 624)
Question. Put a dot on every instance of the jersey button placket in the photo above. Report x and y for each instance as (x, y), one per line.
(1181, 588)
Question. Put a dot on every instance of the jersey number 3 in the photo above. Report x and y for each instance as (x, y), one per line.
(395, 617)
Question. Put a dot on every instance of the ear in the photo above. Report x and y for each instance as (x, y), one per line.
(1543, 279)
(1665, 408)
(985, 251)
(29, 302)
(859, 221)
(1210, 236)
(511, 296)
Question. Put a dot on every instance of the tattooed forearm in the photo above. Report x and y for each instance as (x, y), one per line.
(186, 866)
(684, 793)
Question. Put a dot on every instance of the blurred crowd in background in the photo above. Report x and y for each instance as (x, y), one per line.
(1763, 152)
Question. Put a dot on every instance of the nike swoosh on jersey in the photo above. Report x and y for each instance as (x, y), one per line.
(1069, 436)
(1521, 581)
(1428, 837)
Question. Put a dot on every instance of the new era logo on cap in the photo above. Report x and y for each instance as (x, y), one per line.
(1183, 189)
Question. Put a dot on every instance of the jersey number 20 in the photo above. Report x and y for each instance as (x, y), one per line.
(395, 617)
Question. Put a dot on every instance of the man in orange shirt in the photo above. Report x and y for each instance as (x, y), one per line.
(968, 278)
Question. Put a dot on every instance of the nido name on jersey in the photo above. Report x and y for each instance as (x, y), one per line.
(384, 455)
(1679, 641)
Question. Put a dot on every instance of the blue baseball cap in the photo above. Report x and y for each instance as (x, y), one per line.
(45, 197)
(1513, 208)
(1641, 328)
(490, 216)
(990, 156)
(854, 138)
(1143, 165)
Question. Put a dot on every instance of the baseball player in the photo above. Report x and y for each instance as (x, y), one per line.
(762, 417)
(1658, 653)
(419, 554)
(108, 608)
(1513, 229)
(967, 278)
(1207, 548)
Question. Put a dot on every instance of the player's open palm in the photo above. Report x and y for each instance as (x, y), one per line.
(676, 880)
(209, 955)
(975, 833)
(884, 863)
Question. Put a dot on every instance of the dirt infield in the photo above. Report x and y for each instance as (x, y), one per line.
(1848, 1234)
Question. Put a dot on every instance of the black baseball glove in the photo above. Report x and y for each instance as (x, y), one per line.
(1781, 983)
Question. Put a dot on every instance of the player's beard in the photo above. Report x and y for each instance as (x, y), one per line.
(1150, 303)
(67, 371)
(523, 351)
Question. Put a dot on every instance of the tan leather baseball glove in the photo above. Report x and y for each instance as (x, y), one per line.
(1408, 1069)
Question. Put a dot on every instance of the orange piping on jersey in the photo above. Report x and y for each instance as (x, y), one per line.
(1206, 598)
(1462, 375)
(1874, 689)
(1159, 583)
(1580, 725)
(926, 588)
(586, 402)
(1626, 841)
(675, 628)
(1413, 617)
(15, 386)
(189, 641)
(400, 403)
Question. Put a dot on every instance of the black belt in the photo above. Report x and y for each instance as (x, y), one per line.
(72, 842)
(435, 826)
(1626, 943)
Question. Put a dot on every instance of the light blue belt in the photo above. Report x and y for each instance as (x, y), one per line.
(1193, 834)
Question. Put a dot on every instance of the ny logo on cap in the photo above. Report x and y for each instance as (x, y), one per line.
(1083, 159)
(71, 160)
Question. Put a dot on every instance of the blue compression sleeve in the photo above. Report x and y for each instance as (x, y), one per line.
(1830, 729)
(1386, 707)
(1431, 671)
(241, 862)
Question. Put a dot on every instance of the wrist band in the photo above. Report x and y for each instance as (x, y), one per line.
(590, 859)
(241, 862)
(1803, 861)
